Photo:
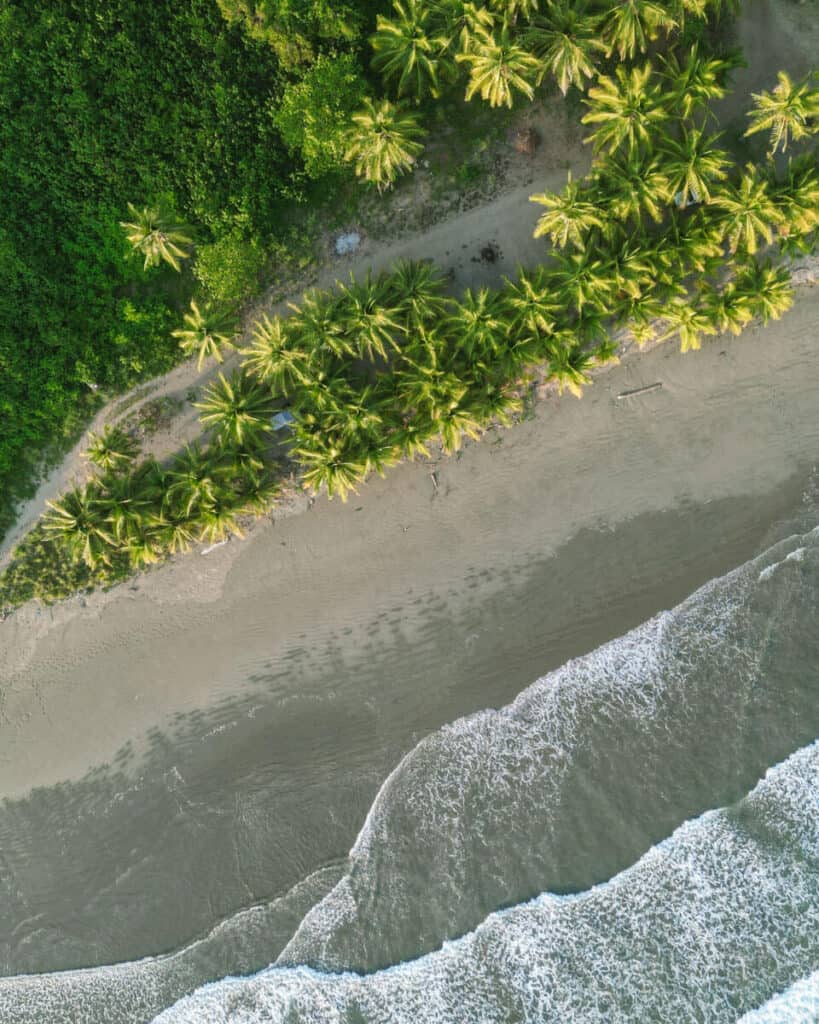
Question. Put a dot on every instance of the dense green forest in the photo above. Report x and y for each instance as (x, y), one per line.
(201, 105)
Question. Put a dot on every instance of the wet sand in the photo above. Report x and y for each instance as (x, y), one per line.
(206, 740)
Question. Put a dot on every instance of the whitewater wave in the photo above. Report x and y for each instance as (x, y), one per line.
(706, 926)
(133, 993)
(797, 1005)
(584, 771)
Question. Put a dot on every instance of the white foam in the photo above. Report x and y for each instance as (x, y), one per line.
(797, 1005)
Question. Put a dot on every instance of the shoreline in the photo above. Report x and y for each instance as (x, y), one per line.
(736, 420)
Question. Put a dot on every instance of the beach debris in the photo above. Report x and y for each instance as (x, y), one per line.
(525, 140)
(347, 243)
(640, 391)
(434, 478)
(282, 419)
(213, 547)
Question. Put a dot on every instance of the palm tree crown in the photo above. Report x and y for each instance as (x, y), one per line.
(626, 111)
(206, 332)
(153, 234)
(498, 67)
(403, 48)
(566, 41)
(569, 215)
(113, 449)
(789, 112)
(239, 409)
(383, 142)
(629, 26)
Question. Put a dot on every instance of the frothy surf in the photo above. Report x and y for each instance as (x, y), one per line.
(706, 926)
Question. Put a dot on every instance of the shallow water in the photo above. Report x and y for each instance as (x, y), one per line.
(594, 792)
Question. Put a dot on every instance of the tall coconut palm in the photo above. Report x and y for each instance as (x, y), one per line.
(415, 291)
(629, 184)
(631, 268)
(156, 236)
(382, 143)
(641, 314)
(730, 309)
(511, 10)
(789, 112)
(238, 409)
(692, 163)
(498, 67)
(275, 357)
(129, 499)
(750, 213)
(454, 425)
(627, 109)
(206, 332)
(581, 279)
(768, 289)
(366, 317)
(193, 480)
(477, 325)
(113, 449)
(493, 401)
(404, 50)
(693, 82)
(327, 463)
(459, 22)
(316, 328)
(629, 25)
(79, 520)
(569, 215)
(529, 304)
(690, 321)
(566, 41)
(569, 365)
(797, 197)
(692, 244)
(220, 520)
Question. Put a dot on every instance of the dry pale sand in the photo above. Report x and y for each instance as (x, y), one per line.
(737, 420)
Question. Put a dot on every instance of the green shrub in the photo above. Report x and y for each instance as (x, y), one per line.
(229, 268)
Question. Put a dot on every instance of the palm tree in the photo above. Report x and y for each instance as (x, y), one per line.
(403, 49)
(415, 291)
(750, 212)
(582, 279)
(498, 67)
(529, 304)
(566, 41)
(128, 499)
(797, 197)
(365, 317)
(174, 530)
(569, 215)
(194, 480)
(568, 365)
(219, 520)
(642, 315)
(79, 520)
(627, 111)
(789, 112)
(477, 325)
(632, 183)
(317, 329)
(689, 321)
(768, 289)
(382, 143)
(493, 401)
(238, 409)
(691, 244)
(460, 21)
(328, 463)
(154, 235)
(275, 358)
(694, 82)
(692, 163)
(113, 449)
(729, 308)
(511, 10)
(629, 26)
(631, 268)
(453, 425)
(206, 332)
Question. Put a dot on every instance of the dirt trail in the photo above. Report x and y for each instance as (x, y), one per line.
(772, 33)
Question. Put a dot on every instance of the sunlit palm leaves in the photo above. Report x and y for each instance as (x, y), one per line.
(569, 366)
(582, 279)
(405, 51)
(275, 357)
(383, 142)
(80, 520)
(328, 463)
(789, 112)
(691, 322)
(768, 289)
(415, 290)
(498, 67)
(238, 409)
(113, 449)
(631, 184)
(569, 215)
(750, 212)
(692, 164)
(797, 197)
(626, 110)
(478, 326)
(366, 318)
(193, 481)
(154, 235)
(206, 332)
(566, 41)
(530, 304)
(692, 82)
(629, 25)
(730, 309)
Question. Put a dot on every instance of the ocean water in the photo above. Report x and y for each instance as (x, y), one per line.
(634, 838)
